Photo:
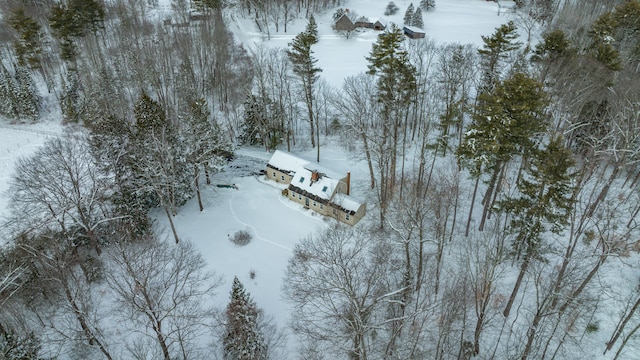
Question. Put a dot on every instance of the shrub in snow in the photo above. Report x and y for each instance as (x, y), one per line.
(241, 238)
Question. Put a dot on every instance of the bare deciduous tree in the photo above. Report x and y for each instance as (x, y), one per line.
(162, 291)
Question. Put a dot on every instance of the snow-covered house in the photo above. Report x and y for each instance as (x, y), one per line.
(282, 166)
(317, 188)
(344, 23)
(376, 24)
(379, 24)
(413, 32)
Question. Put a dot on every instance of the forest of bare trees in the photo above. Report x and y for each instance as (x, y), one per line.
(502, 184)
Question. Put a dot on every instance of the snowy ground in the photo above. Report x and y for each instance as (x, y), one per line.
(452, 21)
(18, 141)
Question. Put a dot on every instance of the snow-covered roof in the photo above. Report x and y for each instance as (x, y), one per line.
(323, 187)
(285, 161)
(414, 29)
(381, 21)
(347, 202)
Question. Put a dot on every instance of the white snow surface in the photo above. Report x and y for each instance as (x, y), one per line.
(285, 161)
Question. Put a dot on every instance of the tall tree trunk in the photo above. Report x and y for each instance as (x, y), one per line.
(197, 185)
(367, 153)
(473, 200)
(621, 325)
(173, 228)
(489, 195)
(516, 287)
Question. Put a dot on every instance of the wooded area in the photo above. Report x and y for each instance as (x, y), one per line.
(503, 183)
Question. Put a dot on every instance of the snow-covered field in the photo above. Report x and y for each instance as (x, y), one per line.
(453, 21)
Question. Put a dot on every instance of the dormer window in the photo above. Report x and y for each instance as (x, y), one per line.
(301, 179)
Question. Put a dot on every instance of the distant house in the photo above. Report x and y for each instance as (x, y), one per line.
(344, 23)
(379, 24)
(376, 24)
(413, 32)
(316, 188)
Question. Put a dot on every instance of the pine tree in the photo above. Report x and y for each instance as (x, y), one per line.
(495, 49)
(160, 165)
(112, 146)
(408, 15)
(614, 36)
(205, 147)
(8, 94)
(506, 123)
(391, 9)
(388, 60)
(28, 46)
(544, 201)
(70, 98)
(396, 82)
(304, 66)
(75, 20)
(28, 100)
(417, 19)
(427, 4)
(243, 339)
(312, 30)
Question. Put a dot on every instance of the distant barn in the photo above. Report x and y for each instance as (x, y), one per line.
(413, 32)
(344, 23)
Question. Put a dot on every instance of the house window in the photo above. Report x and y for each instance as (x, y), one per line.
(320, 206)
(299, 197)
(314, 204)
(301, 179)
(346, 216)
(335, 212)
(274, 174)
(282, 177)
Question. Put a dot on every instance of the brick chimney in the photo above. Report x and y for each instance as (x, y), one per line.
(348, 182)
(314, 175)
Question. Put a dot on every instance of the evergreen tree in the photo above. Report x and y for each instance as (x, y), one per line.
(396, 82)
(408, 15)
(28, 46)
(243, 339)
(495, 49)
(544, 201)
(75, 20)
(304, 66)
(112, 147)
(391, 9)
(205, 147)
(160, 165)
(427, 4)
(505, 124)
(312, 30)
(390, 62)
(14, 347)
(27, 99)
(417, 19)
(70, 99)
(8, 94)
(259, 127)
(614, 36)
